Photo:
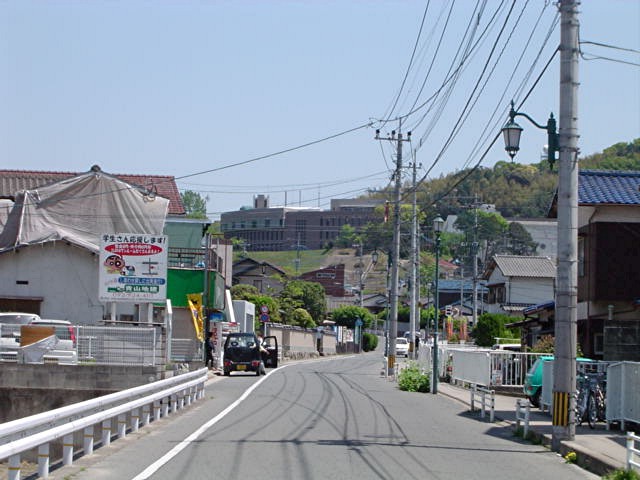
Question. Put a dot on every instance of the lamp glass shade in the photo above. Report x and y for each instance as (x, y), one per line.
(374, 257)
(438, 224)
(511, 132)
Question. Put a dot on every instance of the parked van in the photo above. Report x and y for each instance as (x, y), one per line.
(533, 380)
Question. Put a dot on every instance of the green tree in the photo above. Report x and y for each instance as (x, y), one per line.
(347, 315)
(520, 241)
(490, 326)
(347, 237)
(194, 204)
(301, 318)
(308, 295)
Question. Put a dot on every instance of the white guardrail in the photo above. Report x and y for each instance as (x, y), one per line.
(156, 400)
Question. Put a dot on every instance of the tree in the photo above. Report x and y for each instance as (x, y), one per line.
(347, 315)
(347, 236)
(302, 294)
(301, 318)
(194, 204)
(520, 241)
(491, 326)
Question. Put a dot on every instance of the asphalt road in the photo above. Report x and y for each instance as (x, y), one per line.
(328, 419)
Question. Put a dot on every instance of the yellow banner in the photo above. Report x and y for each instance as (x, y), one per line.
(195, 306)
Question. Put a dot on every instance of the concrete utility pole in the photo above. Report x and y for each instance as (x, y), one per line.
(474, 255)
(414, 267)
(564, 365)
(395, 249)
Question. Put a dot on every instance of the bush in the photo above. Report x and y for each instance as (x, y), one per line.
(412, 380)
(622, 475)
(369, 341)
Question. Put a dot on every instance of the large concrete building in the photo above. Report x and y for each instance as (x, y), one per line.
(288, 228)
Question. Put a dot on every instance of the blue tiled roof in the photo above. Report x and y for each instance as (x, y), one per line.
(609, 187)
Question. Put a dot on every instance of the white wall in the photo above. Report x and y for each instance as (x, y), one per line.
(65, 276)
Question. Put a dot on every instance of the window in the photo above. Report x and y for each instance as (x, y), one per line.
(598, 343)
(267, 222)
(254, 224)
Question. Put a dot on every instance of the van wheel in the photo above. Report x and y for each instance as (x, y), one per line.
(535, 400)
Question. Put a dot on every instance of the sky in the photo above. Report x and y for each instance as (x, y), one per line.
(283, 98)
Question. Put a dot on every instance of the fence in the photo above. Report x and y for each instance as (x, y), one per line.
(106, 345)
(472, 365)
(622, 387)
(156, 400)
(632, 451)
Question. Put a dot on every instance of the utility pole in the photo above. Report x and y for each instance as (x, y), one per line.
(474, 254)
(395, 249)
(564, 365)
(414, 266)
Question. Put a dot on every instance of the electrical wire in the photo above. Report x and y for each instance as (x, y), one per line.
(415, 46)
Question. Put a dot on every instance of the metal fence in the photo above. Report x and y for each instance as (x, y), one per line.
(100, 345)
(480, 366)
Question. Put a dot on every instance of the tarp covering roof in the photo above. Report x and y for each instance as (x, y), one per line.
(80, 209)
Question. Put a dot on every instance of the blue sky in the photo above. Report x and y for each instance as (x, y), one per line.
(185, 87)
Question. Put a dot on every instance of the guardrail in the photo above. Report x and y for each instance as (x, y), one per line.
(523, 414)
(484, 405)
(632, 451)
(156, 400)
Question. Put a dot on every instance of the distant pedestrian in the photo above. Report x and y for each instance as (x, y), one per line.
(209, 347)
(417, 343)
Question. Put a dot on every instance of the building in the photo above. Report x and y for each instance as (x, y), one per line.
(608, 264)
(516, 282)
(266, 228)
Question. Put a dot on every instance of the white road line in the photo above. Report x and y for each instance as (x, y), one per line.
(154, 467)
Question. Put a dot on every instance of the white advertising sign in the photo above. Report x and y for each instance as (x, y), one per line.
(133, 268)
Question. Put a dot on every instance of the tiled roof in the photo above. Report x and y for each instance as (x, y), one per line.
(13, 181)
(521, 266)
(609, 187)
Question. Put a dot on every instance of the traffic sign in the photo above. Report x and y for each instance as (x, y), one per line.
(264, 309)
(264, 318)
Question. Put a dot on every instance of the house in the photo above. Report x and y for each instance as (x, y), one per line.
(516, 282)
(332, 278)
(608, 264)
(266, 277)
(50, 243)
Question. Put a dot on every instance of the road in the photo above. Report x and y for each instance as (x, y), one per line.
(328, 419)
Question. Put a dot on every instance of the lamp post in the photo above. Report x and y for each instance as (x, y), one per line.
(438, 225)
(512, 131)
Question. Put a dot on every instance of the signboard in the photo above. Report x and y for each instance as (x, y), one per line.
(133, 268)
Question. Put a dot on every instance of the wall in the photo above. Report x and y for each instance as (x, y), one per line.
(64, 276)
(29, 389)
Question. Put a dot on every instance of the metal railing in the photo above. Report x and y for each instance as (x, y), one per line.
(100, 345)
(633, 453)
(156, 400)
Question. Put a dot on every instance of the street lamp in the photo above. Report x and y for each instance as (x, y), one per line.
(512, 131)
(438, 226)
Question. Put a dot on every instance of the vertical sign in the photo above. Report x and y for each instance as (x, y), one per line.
(133, 268)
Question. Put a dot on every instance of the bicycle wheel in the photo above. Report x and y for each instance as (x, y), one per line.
(592, 411)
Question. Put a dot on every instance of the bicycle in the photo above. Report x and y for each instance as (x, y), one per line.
(590, 401)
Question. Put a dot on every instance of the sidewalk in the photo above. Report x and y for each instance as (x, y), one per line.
(599, 450)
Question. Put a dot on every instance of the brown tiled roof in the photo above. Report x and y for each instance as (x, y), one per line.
(13, 181)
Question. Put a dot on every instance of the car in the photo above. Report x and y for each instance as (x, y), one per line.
(63, 329)
(402, 346)
(242, 353)
(17, 318)
(533, 379)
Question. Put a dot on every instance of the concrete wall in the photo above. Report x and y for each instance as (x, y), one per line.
(29, 389)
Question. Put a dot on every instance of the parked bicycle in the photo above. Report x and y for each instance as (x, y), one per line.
(590, 400)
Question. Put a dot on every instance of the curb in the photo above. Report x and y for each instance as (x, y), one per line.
(586, 458)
